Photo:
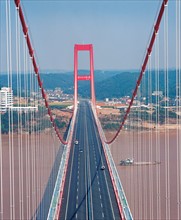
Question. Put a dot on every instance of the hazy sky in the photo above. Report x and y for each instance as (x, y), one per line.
(119, 31)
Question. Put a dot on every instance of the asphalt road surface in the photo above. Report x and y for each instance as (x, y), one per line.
(88, 192)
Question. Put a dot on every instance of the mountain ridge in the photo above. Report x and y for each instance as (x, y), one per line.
(108, 84)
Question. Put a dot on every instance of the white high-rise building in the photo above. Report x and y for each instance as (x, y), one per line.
(6, 98)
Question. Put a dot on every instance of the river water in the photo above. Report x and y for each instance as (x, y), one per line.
(151, 188)
(23, 186)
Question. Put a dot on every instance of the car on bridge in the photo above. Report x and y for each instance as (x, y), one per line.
(76, 142)
(102, 167)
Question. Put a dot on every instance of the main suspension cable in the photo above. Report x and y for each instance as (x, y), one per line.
(148, 53)
(36, 70)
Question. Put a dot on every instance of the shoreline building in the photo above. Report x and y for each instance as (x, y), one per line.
(6, 99)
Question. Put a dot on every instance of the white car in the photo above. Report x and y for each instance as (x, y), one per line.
(76, 142)
(102, 167)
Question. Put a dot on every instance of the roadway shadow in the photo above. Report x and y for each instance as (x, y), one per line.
(43, 208)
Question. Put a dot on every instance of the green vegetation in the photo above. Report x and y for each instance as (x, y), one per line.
(25, 121)
(60, 124)
(111, 126)
(158, 114)
(108, 84)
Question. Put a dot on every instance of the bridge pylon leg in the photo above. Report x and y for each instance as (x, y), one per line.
(90, 77)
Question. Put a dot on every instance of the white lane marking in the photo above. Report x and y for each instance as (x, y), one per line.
(100, 196)
(85, 164)
(99, 189)
(76, 216)
(77, 197)
(103, 214)
(101, 205)
(105, 176)
(71, 168)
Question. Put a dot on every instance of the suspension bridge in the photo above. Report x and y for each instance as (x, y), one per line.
(47, 173)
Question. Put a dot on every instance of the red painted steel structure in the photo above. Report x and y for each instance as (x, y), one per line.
(36, 70)
(148, 53)
(77, 48)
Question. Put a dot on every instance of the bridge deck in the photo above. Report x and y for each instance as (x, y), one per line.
(88, 192)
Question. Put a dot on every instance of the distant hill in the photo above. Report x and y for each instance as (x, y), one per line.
(117, 85)
(108, 84)
(123, 83)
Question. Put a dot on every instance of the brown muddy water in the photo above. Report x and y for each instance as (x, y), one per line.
(22, 187)
(151, 188)
(151, 185)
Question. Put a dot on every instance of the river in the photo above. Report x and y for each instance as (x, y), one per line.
(150, 188)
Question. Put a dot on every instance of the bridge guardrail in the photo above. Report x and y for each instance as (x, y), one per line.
(120, 190)
(54, 206)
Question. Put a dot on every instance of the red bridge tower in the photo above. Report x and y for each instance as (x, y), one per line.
(83, 47)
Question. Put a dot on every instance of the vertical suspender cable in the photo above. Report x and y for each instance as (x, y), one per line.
(1, 147)
(178, 97)
(165, 92)
(139, 153)
(135, 156)
(150, 140)
(167, 172)
(157, 128)
(37, 146)
(179, 84)
(18, 96)
(177, 111)
(144, 149)
(130, 130)
(30, 137)
(27, 99)
(10, 112)
(31, 144)
(34, 146)
(41, 127)
(9, 137)
(177, 106)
